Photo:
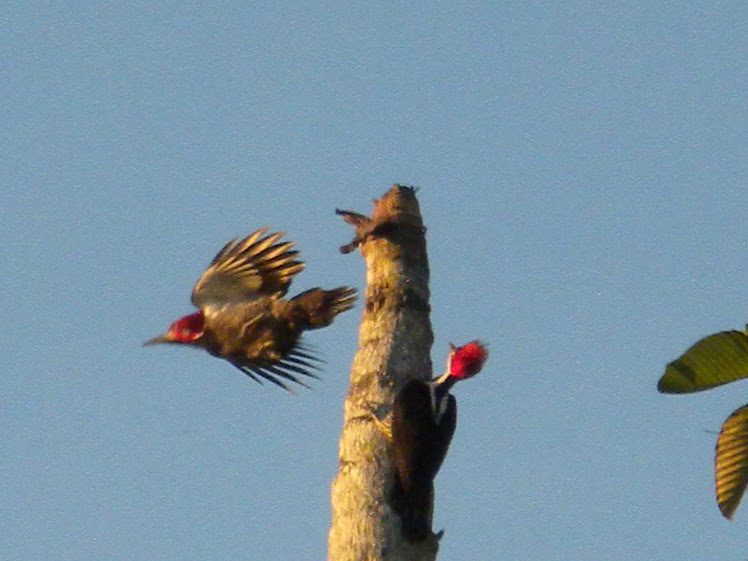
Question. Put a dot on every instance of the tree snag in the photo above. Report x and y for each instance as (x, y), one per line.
(395, 341)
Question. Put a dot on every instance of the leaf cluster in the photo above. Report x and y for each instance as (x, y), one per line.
(712, 361)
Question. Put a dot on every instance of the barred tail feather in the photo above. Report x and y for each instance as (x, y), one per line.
(317, 307)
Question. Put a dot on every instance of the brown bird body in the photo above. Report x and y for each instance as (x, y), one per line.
(243, 316)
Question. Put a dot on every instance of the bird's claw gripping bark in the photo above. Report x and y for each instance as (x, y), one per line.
(381, 417)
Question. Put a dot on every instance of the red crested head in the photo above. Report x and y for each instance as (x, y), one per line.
(185, 330)
(466, 361)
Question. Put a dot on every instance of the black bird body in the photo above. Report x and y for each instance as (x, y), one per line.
(424, 418)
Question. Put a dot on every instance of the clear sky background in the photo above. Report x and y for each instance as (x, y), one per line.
(583, 180)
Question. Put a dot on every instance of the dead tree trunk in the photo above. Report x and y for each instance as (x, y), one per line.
(395, 341)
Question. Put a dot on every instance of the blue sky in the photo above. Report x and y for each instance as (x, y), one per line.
(583, 181)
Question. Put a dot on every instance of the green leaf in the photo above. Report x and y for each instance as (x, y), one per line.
(712, 361)
(731, 462)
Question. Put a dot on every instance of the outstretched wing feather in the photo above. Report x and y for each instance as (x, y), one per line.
(260, 264)
(289, 368)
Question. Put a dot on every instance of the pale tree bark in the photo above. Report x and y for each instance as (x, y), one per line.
(395, 341)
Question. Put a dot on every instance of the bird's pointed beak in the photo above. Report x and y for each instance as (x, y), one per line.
(156, 340)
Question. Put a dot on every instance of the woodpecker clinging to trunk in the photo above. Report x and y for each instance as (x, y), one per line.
(424, 416)
(243, 317)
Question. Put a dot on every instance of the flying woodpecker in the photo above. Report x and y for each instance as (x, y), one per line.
(244, 318)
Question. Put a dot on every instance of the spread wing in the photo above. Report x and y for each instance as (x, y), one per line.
(259, 264)
(298, 361)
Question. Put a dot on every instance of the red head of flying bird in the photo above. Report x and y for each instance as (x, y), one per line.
(244, 318)
(424, 417)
